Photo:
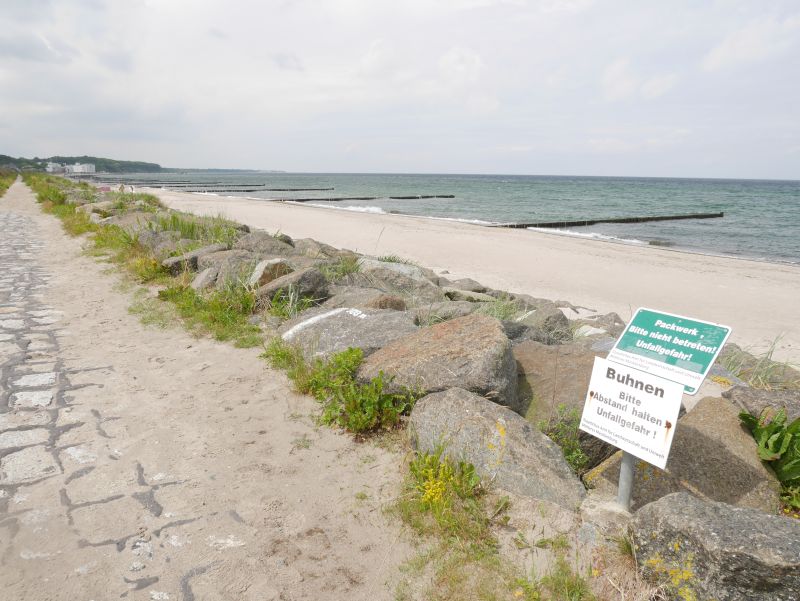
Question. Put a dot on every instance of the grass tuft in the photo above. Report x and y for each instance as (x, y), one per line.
(342, 267)
(395, 259)
(760, 371)
(289, 304)
(562, 428)
(347, 403)
(503, 308)
(223, 313)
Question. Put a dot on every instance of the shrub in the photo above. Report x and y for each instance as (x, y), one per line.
(342, 267)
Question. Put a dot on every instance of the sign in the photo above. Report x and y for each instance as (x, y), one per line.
(632, 410)
(673, 347)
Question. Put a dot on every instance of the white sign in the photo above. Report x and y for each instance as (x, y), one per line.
(632, 410)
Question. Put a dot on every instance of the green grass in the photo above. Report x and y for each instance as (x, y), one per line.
(503, 308)
(208, 230)
(395, 259)
(761, 371)
(445, 503)
(223, 313)
(342, 267)
(562, 428)
(7, 178)
(360, 408)
(288, 304)
(128, 201)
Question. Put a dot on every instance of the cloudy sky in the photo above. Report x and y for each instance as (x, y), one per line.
(703, 89)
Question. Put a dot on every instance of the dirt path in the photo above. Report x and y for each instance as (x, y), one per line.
(146, 464)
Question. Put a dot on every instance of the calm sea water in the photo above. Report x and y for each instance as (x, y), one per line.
(762, 218)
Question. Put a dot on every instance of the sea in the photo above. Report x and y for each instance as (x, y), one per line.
(761, 217)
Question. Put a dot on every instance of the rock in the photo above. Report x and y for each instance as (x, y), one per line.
(284, 238)
(470, 352)
(717, 551)
(504, 448)
(264, 245)
(465, 295)
(307, 283)
(387, 301)
(205, 279)
(399, 279)
(95, 218)
(468, 284)
(711, 455)
(336, 330)
(267, 270)
(232, 266)
(610, 323)
(103, 206)
(548, 325)
(189, 261)
(172, 244)
(134, 221)
(351, 296)
(318, 250)
(434, 313)
(755, 400)
(552, 376)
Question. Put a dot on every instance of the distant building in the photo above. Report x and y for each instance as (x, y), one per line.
(79, 168)
(54, 168)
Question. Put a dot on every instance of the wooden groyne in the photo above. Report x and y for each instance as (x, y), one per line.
(585, 222)
(341, 198)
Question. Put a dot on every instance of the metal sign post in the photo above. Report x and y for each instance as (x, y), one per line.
(627, 470)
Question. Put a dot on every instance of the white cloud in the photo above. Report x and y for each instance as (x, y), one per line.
(658, 86)
(756, 41)
(618, 81)
(461, 66)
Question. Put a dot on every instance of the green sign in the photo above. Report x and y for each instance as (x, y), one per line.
(673, 347)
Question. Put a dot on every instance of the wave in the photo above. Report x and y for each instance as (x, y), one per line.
(589, 235)
(375, 210)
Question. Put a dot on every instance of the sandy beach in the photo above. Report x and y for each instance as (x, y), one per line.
(757, 299)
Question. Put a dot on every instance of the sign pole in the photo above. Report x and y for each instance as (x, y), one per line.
(627, 469)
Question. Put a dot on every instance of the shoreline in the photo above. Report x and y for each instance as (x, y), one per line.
(752, 296)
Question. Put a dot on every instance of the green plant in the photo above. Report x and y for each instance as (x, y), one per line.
(340, 268)
(223, 313)
(209, 230)
(562, 428)
(7, 178)
(287, 304)
(395, 259)
(760, 371)
(357, 407)
(503, 308)
(779, 446)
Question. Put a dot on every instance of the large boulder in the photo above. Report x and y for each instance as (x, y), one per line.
(189, 261)
(336, 330)
(547, 325)
(504, 448)
(755, 400)
(470, 352)
(711, 454)
(134, 221)
(711, 550)
(550, 377)
(317, 250)
(307, 283)
(233, 266)
(456, 294)
(351, 296)
(468, 284)
(268, 270)
(408, 281)
(264, 245)
(433, 313)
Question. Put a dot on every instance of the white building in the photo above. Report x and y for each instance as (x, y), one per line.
(79, 168)
(54, 168)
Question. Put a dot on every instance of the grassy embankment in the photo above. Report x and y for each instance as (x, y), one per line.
(444, 502)
(7, 178)
(222, 313)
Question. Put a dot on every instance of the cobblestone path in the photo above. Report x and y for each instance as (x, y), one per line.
(145, 464)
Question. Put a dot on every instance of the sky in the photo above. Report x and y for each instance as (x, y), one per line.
(567, 87)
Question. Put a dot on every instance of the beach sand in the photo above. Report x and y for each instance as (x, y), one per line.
(757, 299)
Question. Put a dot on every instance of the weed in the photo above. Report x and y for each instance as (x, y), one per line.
(361, 496)
(302, 442)
(760, 371)
(287, 304)
(342, 267)
(208, 230)
(395, 259)
(779, 446)
(562, 428)
(223, 313)
(503, 308)
(556, 543)
(357, 407)
(7, 178)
